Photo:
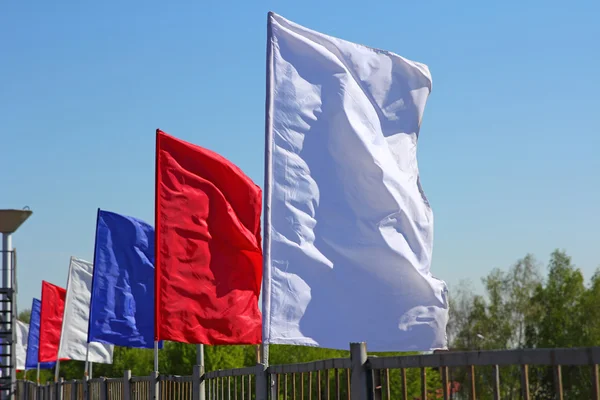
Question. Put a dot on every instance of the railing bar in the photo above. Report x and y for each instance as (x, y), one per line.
(404, 388)
(445, 388)
(595, 382)
(388, 384)
(525, 381)
(327, 384)
(337, 384)
(348, 383)
(558, 382)
(473, 381)
(496, 382)
(319, 385)
(285, 386)
(249, 387)
(310, 385)
(423, 383)
(294, 386)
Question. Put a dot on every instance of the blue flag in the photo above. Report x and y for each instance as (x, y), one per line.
(122, 303)
(33, 339)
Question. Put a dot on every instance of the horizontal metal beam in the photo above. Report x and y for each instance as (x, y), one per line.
(141, 379)
(339, 363)
(574, 356)
(175, 378)
(223, 373)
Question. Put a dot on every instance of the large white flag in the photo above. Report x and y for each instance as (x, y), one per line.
(349, 232)
(21, 344)
(73, 338)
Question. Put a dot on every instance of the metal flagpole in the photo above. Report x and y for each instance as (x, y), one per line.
(200, 355)
(200, 363)
(156, 356)
(86, 372)
(38, 374)
(56, 371)
(263, 380)
(90, 375)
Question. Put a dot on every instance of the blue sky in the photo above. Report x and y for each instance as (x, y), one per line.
(509, 146)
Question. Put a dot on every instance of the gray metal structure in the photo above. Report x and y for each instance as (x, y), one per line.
(10, 221)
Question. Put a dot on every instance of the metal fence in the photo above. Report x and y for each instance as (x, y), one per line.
(508, 374)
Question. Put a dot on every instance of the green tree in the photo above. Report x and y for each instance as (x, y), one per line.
(496, 320)
(24, 316)
(562, 308)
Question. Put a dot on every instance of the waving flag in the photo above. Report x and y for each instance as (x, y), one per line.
(51, 319)
(122, 304)
(73, 339)
(21, 344)
(208, 256)
(349, 231)
(33, 339)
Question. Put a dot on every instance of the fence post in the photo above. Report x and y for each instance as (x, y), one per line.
(127, 385)
(86, 387)
(59, 389)
(154, 386)
(262, 382)
(103, 389)
(359, 377)
(74, 390)
(198, 387)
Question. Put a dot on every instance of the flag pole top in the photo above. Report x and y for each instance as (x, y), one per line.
(11, 220)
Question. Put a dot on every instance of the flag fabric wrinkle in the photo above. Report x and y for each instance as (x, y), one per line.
(33, 339)
(74, 334)
(51, 318)
(122, 304)
(349, 230)
(21, 344)
(208, 255)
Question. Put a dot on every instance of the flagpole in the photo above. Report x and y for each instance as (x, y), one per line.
(38, 374)
(156, 356)
(266, 288)
(86, 372)
(56, 371)
(156, 253)
(90, 370)
(200, 355)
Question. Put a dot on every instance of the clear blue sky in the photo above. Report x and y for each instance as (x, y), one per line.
(509, 149)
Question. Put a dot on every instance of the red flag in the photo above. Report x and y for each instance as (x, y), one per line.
(51, 318)
(208, 247)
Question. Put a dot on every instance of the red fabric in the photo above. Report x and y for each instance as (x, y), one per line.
(208, 247)
(51, 318)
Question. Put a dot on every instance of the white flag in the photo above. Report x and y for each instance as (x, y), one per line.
(73, 338)
(21, 344)
(349, 230)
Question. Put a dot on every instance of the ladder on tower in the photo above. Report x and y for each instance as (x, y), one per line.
(6, 341)
(8, 317)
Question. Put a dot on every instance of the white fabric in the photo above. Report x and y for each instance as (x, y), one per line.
(21, 344)
(73, 338)
(350, 232)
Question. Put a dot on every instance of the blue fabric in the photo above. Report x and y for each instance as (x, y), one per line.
(122, 302)
(33, 339)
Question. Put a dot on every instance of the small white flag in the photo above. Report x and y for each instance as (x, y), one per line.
(349, 230)
(21, 344)
(73, 338)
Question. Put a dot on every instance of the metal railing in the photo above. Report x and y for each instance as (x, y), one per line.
(506, 374)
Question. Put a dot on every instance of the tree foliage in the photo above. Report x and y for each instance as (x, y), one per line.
(521, 309)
